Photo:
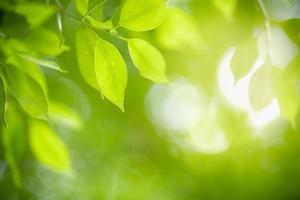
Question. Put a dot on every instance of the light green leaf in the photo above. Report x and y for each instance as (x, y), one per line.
(36, 13)
(111, 72)
(28, 93)
(140, 15)
(148, 60)
(44, 41)
(244, 58)
(226, 7)
(63, 115)
(261, 91)
(42, 62)
(282, 9)
(29, 69)
(85, 45)
(82, 6)
(13, 141)
(179, 31)
(2, 102)
(47, 147)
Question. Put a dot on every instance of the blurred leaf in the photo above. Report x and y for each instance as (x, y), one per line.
(148, 60)
(2, 102)
(82, 6)
(13, 140)
(28, 93)
(226, 7)
(63, 115)
(282, 9)
(244, 58)
(139, 15)
(111, 72)
(179, 31)
(36, 13)
(261, 87)
(44, 41)
(47, 147)
(85, 45)
(30, 69)
(42, 62)
(13, 46)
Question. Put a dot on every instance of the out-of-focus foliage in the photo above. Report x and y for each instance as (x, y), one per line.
(209, 89)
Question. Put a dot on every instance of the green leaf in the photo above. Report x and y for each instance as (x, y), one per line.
(179, 31)
(30, 69)
(139, 15)
(226, 7)
(111, 72)
(148, 60)
(82, 6)
(63, 115)
(2, 102)
(28, 93)
(36, 13)
(44, 41)
(85, 45)
(13, 141)
(244, 58)
(47, 147)
(261, 91)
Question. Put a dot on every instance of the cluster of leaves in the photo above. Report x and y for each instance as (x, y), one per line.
(29, 43)
(278, 75)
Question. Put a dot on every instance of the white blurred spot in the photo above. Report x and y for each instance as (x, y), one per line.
(237, 93)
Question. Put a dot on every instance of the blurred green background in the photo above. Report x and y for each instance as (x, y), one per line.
(196, 137)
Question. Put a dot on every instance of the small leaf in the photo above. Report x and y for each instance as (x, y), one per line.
(226, 7)
(35, 13)
(261, 87)
(244, 58)
(111, 72)
(28, 93)
(85, 45)
(13, 140)
(47, 147)
(139, 15)
(148, 60)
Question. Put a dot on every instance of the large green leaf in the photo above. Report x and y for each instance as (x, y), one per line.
(85, 45)
(36, 13)
(140, 15)
(47, 147)
(261, 91)
(13, 140)
(28, 93)
(82, 6)
(148, 60)
(244, 58)
(111, 72)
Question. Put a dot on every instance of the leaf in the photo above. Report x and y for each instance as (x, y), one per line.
(13, 141)
(111, 72)
(64, 115)
(261, 91)
(82, 6)
(35, 13)
(282, 10)
(226, 7)
(139, 15)
(85, 45)
(179, 31)
(2, 102)
(148, 60)
(244, 58)
(42, 62)
(28, 93)
(44, 42)
(47, 147)
(29, 69)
